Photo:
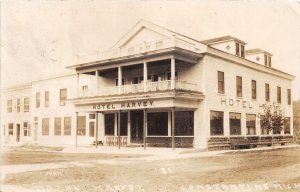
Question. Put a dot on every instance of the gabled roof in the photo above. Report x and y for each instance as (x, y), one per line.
(146, 24)
(222, 39)
(257, 50)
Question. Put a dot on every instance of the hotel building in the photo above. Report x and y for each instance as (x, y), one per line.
(155, 87)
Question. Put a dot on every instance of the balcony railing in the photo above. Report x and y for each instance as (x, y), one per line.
(151, 86)
(140, 48)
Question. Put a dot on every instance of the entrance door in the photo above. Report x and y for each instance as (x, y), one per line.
(137, 126)
(35, 131)
(18, 132)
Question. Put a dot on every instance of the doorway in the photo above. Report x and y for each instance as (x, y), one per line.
(137, 126)
(18, 132)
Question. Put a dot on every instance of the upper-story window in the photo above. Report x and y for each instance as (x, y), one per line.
(278, 94)
(289, 97)
(46, 98)
(18, 105)
(9, 106)
(239, 50)
(37, 99)
(26, 104)
(62, 96)
(253, 88)
(268, 60)
(242, 51)
(221, 82)
(267, 92)
(239, 86)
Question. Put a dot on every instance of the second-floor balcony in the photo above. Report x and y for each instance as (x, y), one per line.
(139, 88)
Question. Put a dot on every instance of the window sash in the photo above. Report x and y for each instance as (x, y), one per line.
(57, 126)
(62, 96)
(45, 126)
(251, 124)
(67, 125)
(18, 105)
(46, 98)
(235, 123)
(221, 82)
(267, 92)
(287, 125)
(37, 99)
(289, 97)
(26, 104)
(239, 86)
(237, 49)
(216, 123)
(253, 89)
(26, 129)
(9, 106)
(278, 94)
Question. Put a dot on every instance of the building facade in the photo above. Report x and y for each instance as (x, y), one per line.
(156, 87)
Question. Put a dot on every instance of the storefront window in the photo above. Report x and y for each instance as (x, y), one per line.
(109, 120)
(264, 130)
(67, 126)
(91, 129)
(124, 124)
(45, 126)
(235, 123)
(216, 123)
(250, 124)
(287, 125)
(157, 124)
(184, 123)
(81, 125)
(26, 129)
(10, 129)
(57, 126)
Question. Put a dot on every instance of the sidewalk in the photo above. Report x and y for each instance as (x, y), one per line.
(151, 154)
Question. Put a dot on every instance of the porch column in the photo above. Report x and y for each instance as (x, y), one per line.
(128, 128)
(76, 128)
(173, 128)
(145, 128)
(97, 83)
(119, 79)
(119, 129)
(172, 73)
(145, 76)
(77, 84)
(96, 126)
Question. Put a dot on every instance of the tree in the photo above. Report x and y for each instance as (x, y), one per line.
(272, 119)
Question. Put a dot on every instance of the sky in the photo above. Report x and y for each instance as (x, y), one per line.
(39, 38)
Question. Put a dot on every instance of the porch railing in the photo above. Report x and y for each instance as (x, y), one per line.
(151, 86)
(140, 48)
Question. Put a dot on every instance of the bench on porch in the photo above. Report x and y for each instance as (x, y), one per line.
(98, 143)
(254, 141)
(167, 141)
(114, 141)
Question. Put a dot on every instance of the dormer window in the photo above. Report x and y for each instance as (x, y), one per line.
(239, 50)
(268, 61)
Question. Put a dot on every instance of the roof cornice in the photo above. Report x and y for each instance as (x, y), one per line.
(247, 63)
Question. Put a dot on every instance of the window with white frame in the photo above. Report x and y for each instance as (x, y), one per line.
(251, 124)
(9, 106)
(26, 129)
(26, 104)
(62, 97)
(46, 98)
(18, 105)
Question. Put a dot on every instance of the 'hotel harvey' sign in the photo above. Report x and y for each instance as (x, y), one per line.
(123, 105)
